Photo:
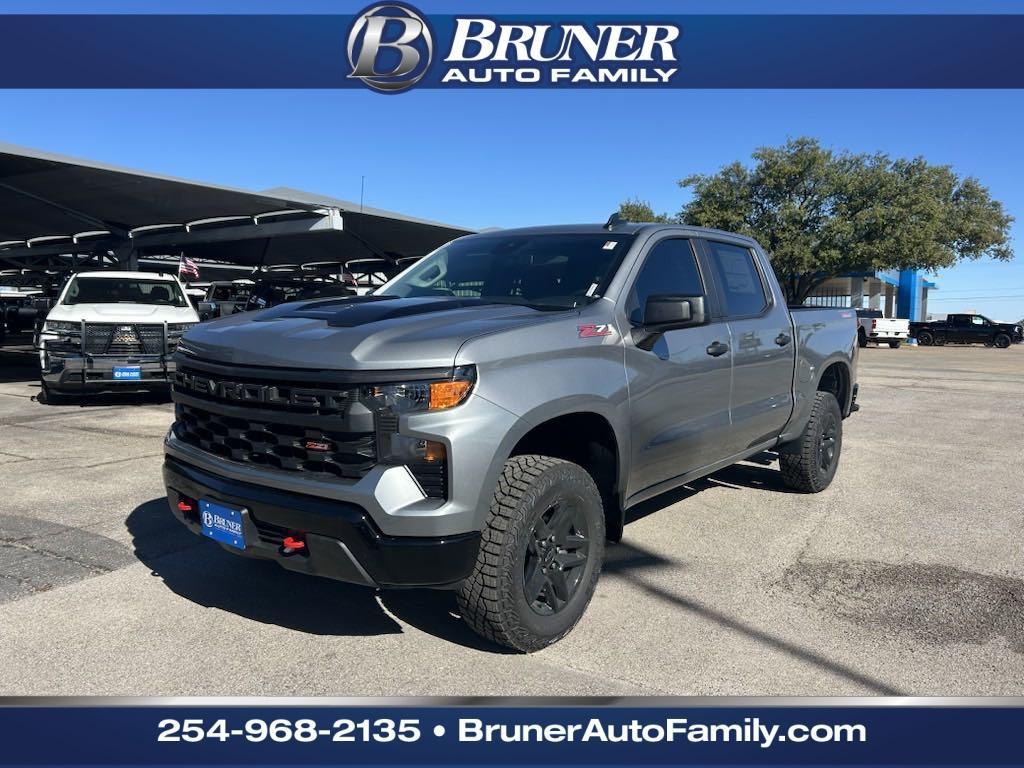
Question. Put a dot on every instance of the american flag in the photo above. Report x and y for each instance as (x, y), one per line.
(188, 268)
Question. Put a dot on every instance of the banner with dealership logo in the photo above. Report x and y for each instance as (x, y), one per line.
(394, 48)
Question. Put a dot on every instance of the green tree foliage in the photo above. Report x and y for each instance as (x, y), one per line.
(639, 210)
(821, 213)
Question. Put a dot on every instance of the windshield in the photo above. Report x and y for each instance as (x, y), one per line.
(546, 271)
(124, 290)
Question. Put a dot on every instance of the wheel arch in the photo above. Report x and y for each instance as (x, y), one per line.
(585, 436)
(837, 377)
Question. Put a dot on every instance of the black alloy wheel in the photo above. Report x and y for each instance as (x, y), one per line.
(556, 554)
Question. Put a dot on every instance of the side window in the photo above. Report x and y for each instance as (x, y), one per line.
(741, 283)
(670, 269)
(978, 320)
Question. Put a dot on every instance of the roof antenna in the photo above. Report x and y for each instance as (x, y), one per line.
(613, 221)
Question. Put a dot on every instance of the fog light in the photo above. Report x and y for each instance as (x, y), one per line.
(433, 451)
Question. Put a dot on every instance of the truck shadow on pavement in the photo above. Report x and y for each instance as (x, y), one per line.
(756, 473)
(104, 399)
(200, 571)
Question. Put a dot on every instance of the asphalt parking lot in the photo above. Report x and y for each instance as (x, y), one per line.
(905, 577)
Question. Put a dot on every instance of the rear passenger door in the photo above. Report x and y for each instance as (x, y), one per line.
(957, 328)
(762, 342)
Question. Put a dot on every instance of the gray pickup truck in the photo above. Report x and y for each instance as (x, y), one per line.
(485, 419)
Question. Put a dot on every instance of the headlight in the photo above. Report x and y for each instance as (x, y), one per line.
(61, 326)
(423, 395)
(179, 328)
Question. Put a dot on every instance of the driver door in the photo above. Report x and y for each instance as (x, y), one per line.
(679, 390)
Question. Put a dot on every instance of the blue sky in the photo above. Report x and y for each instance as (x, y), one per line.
(507, 158)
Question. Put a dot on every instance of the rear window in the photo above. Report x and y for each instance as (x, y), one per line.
(124, 290)
(869, 313)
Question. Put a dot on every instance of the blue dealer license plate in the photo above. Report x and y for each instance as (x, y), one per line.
(128, 373)
(223, 524)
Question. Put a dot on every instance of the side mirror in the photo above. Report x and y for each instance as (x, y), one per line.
(669, 313)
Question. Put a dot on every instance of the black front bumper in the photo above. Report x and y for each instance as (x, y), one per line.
(78, 373)
(342, 541)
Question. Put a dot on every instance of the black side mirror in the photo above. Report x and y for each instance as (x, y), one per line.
(669, 313)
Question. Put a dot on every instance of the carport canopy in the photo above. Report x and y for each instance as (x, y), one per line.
(56, 212)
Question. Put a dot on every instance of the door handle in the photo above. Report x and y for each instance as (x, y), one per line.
(717, 349)
(782, 339)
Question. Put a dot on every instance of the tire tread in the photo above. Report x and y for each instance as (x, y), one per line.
(484, 598)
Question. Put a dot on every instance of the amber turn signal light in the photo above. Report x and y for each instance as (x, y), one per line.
(445, 394)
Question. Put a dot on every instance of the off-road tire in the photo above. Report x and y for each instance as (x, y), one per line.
(862, 338)
(492, 600)
(801, 460)
(925, 338)
(895, 344)
(1002, 341)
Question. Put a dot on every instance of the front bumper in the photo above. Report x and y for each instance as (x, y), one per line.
(88, 372)
(341, 540)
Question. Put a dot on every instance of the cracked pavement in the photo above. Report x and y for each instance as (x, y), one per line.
(906, 576)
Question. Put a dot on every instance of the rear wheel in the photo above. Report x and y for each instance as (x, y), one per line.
(540, 554)
(1002, 340)
(809, 463)
(895, 344)
(862, 338)
(925, 338)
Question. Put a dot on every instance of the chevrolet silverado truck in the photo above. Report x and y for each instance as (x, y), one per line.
(483, 421)
(876, 327)
(966, 329)
(112, 331)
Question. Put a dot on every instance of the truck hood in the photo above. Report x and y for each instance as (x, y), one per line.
(122, 313)
(357, 333)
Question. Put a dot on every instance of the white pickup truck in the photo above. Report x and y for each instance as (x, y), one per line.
(113, 331)
(876, 327)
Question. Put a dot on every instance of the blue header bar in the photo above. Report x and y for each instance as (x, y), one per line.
(467, 51)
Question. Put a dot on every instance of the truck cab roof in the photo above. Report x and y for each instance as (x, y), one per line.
(622, 228)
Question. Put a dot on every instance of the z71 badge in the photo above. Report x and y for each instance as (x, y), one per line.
(591, 331)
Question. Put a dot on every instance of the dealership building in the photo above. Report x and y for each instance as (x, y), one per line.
(897, 293)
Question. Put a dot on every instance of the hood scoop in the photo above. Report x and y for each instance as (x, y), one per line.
(363, 310)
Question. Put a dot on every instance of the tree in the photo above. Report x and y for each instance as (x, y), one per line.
(821, 214)
(639, 210)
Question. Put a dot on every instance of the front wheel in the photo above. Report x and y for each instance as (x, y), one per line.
(52, 396)
(1002, 340)
(540, 554)
(809, 463)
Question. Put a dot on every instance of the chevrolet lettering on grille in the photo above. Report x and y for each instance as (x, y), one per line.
(249, 392)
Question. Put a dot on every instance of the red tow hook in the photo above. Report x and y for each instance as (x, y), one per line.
(293, 544)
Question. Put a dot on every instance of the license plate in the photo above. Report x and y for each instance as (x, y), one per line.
(128, 373)
(221, 523)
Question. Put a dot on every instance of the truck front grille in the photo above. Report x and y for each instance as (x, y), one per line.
(123, 339)
(300, 424)
(287, 447)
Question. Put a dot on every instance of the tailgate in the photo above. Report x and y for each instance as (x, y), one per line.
(889, 326)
